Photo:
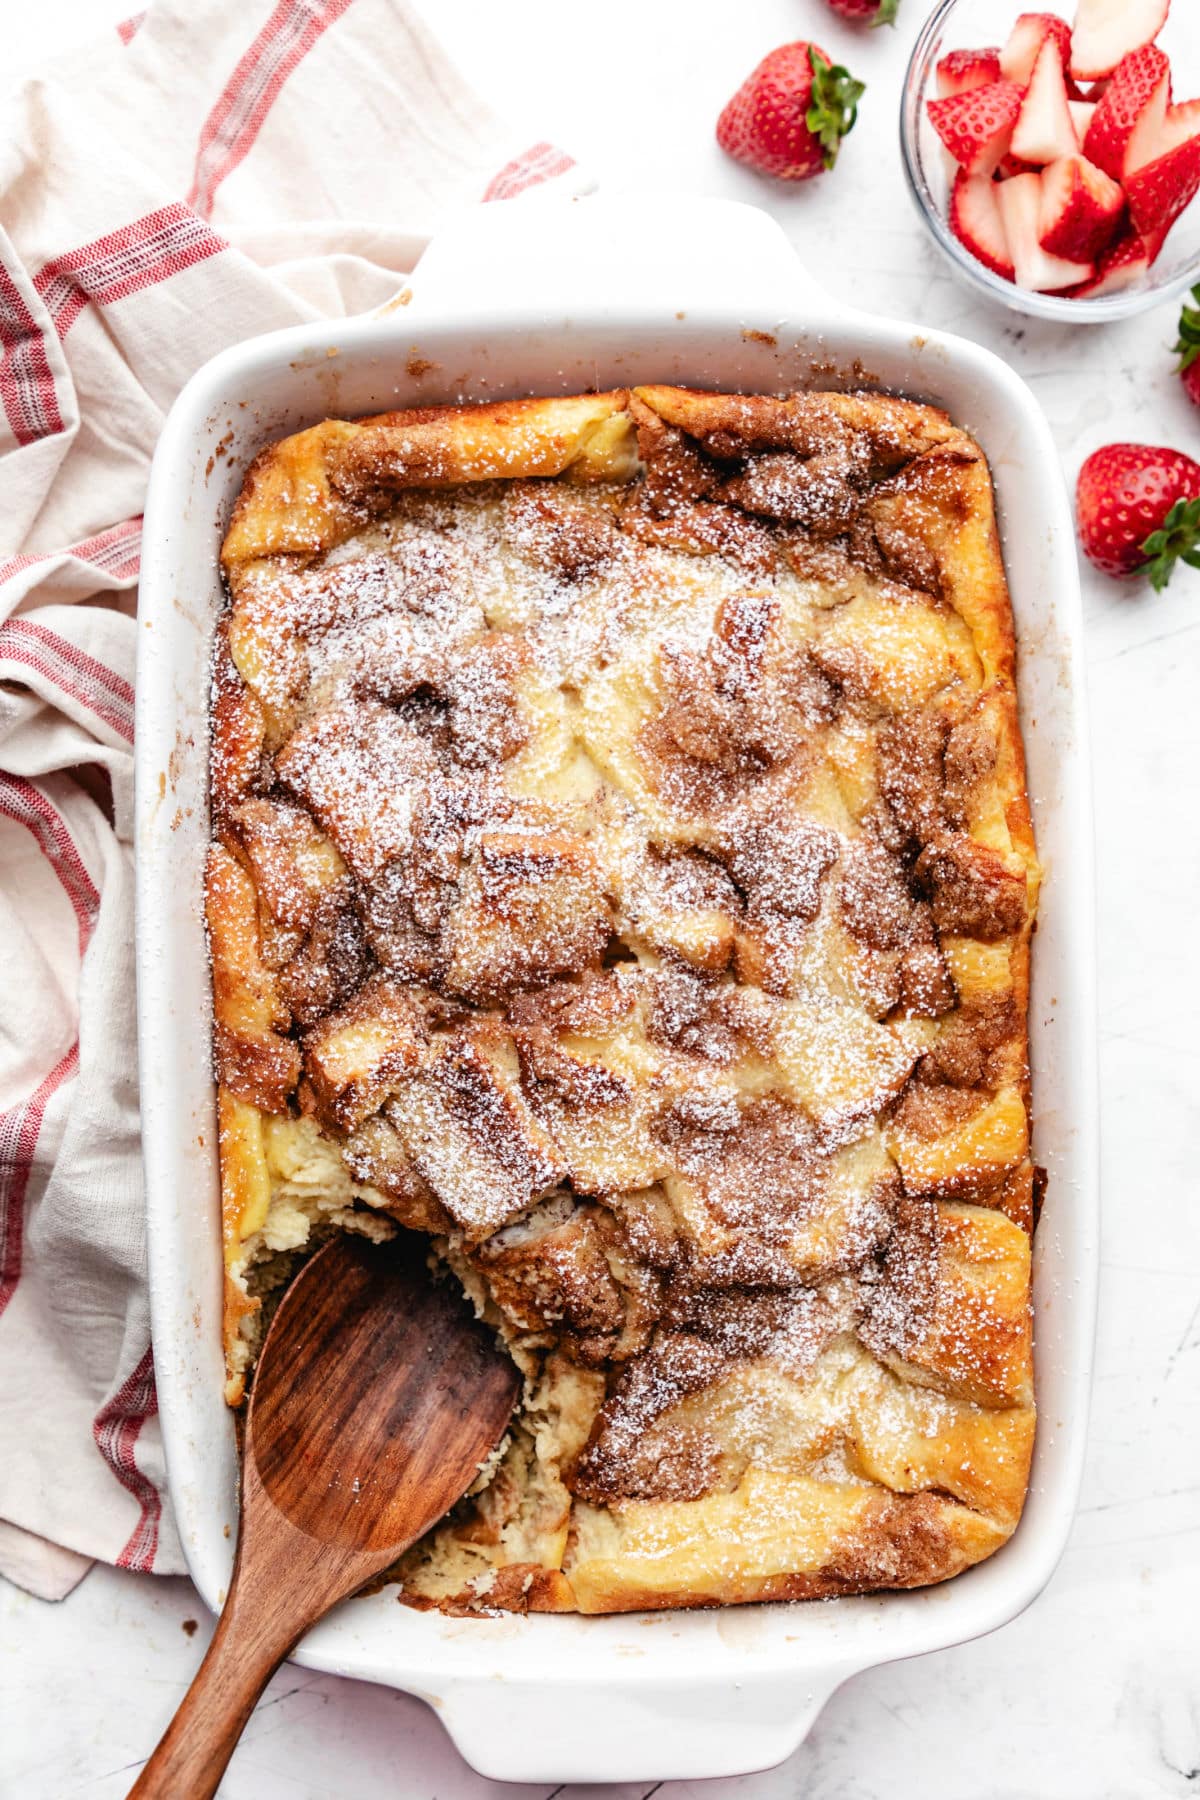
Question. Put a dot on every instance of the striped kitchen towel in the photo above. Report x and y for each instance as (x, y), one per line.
(210, 171)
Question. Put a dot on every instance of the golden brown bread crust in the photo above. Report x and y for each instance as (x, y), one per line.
(623, 867)
(310, 492)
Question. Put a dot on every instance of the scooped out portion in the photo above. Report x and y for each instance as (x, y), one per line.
(622, 874)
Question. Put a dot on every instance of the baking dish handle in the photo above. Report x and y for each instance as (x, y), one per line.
(624, 254)
(682, 1731)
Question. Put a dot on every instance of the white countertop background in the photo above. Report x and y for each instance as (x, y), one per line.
(1095, 1693)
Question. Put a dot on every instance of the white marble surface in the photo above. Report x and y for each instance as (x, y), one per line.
(1095, 1693)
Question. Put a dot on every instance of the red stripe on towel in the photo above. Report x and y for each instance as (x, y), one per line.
(27, 391)
(115, 552)
(80, 676)
(28, 806)
(115, 1430)
(123, 262)
(248, 96)
(21, 1125)
(541, 162)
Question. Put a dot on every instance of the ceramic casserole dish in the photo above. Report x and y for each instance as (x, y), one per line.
(541, 297)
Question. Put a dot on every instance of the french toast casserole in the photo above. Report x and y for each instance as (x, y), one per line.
(622, 873)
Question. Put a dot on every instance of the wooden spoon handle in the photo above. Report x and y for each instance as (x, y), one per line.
(246, 1649)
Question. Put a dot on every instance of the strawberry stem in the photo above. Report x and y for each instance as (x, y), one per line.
(832, 105)
(1177, 541)
(886, 14)
(1188, 347)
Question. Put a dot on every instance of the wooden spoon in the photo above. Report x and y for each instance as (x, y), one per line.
(377, 1397)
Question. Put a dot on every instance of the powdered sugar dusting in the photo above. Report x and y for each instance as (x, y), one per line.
(619, 807)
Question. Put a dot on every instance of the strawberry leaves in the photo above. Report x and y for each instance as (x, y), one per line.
(1177, 541)
(1188, 347)
(832, 105)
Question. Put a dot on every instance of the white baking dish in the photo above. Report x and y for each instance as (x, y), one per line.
(540, 298)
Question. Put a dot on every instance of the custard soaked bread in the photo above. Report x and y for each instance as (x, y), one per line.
(622, 872)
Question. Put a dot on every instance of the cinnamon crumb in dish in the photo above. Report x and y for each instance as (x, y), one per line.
(622, 873)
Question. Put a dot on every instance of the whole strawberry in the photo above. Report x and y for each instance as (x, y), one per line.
(789, 118)
(1188, 349)
(1138, 507)
(868, 12)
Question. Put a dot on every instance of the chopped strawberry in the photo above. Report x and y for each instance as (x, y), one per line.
(1082, 113)
(1138, 510)
(961, 70)
(867, 12)
(1043, 131)
(1012, 165)
(1020, 206)
(977, 127)
(976, 222)
(1123, 264)
(1188, 348)
(1160, 192)
(1142, 79)
(1025, 40)
(1079, 210)
(1106, 30)
(1162, 164)
(790, 115)
(1158, 128)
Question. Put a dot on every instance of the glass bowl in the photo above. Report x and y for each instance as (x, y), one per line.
(973, 24)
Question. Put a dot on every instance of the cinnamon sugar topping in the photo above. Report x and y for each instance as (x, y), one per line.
(619, 836)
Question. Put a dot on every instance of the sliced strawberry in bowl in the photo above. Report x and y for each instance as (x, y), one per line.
(976, 222)
(1079, 210)
(977, 127)
(1020, 200)
(1082, 113)
(1128, 258)
(961, 70)
(1107, 30)
(1160, 192)
(1013, 165)
(1162, 164)
(1044, 131)
(1025, 41)
(1076, 193)
(1141, 81)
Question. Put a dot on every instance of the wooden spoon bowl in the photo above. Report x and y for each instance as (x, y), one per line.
(378, 1396)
